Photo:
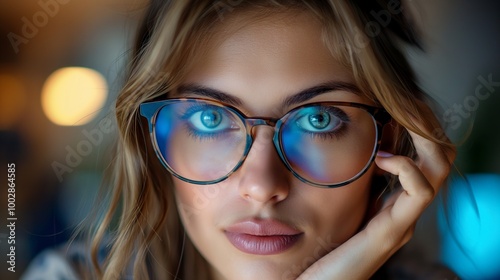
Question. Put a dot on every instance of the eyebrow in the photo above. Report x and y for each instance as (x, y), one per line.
(209, 92)
(297, 98)
(314, 91)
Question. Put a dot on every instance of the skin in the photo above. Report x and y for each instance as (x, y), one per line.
(261, 62)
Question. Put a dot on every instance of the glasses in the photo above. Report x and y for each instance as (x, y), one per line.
(324, 144)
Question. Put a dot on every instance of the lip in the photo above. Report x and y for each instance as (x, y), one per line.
(262, 237)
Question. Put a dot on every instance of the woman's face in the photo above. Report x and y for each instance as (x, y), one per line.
(262, 222)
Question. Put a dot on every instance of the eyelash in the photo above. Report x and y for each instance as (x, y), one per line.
(192, 131)
(339, 132)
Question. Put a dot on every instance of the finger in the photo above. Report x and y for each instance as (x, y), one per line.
(418, 192)
(432, 160)
(344, 262)
(385, 233)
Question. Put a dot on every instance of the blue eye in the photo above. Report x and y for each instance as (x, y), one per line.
(209, 122)
(210, 119)
(320, 120)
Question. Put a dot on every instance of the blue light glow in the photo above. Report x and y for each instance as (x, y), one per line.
(471, 230)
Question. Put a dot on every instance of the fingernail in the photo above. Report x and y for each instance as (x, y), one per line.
(384, 154)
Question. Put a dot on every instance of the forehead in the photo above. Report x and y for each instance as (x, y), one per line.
(267, 57)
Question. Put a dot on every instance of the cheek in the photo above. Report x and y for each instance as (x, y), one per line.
(194, 202)
(199, 206)
(195, 209)
(339, 213)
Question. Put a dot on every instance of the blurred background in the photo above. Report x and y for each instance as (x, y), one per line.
(61, 67)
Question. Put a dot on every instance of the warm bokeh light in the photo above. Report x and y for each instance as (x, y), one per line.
(12, 100)
(73, 95)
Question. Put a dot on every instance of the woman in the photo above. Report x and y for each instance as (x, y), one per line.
(251, 143)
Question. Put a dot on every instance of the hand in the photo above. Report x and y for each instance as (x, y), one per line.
(393, 226)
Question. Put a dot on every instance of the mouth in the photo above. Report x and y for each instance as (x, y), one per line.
(262, 237)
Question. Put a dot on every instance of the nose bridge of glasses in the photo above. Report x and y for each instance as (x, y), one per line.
(252, 124)
(261, 121)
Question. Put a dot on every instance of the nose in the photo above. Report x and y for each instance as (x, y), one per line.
(263, 177)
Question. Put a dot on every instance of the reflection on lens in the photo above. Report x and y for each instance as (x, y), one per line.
(204, 141)
(333, 152)
(199, 140)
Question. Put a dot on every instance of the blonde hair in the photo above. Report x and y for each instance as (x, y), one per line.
(149, 240)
